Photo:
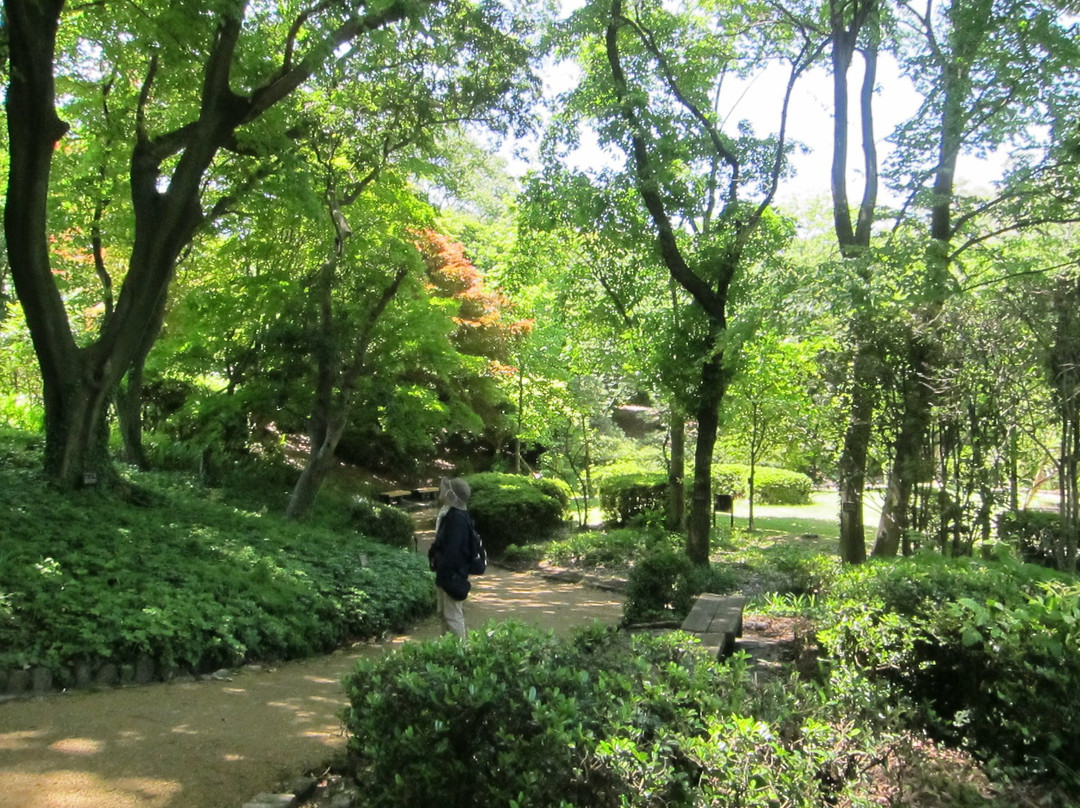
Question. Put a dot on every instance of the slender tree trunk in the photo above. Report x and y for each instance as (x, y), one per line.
(334, 392)
(676, 503)
(713, 385)
(850, 23)
(852, 466)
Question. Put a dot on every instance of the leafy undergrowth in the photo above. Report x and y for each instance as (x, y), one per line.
(189, 581)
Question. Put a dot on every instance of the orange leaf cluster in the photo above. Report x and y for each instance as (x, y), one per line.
(484, 328)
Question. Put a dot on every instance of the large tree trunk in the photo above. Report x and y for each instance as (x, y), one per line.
(854, 242)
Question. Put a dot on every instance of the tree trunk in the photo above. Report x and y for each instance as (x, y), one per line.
(854, 242)
(852, 466)
(129, 396)
(713, 385)
(676, 502)
(319, 462)
(331, 410)
(909, 453)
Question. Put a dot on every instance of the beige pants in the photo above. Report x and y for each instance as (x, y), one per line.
(451, 613)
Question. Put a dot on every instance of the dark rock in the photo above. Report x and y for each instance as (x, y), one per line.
(84, 674)
(144, 670)
(41, 680)
(127, 674)
(18, 682)
(303, 787)
(107, 675)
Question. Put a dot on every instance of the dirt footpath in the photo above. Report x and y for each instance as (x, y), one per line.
(217, 743)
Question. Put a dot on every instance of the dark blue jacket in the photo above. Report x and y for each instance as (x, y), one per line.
(449, 553)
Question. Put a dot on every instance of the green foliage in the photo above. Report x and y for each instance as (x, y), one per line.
(986, 656)
(516, 717)
(382, 523)
(512, 508)
(187, 581)
(612, 549)
(652, 590)
(21, 412)
(624, 496)
(771, 486)
(1034, 534)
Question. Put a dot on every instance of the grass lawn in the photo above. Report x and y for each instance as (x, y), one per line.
(819, 517)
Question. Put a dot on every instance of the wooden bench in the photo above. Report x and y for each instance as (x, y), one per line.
(426, 494)
(393, 497)
(717, 619)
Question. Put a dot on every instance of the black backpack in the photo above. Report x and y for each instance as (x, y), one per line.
(477, 553)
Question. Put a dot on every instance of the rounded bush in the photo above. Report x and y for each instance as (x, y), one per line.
(625, 496)
(653, 583)
(382, 523)
(771, 486)
(518, 717)
(512, 509)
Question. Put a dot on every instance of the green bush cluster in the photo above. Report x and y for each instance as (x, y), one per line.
(513, 509)
(663, 583)
(772, 486)
(988, 656)
(188, 582)
(382, 523)
(626, 496)
(1034, 534)
(606, 549)
(516, 717)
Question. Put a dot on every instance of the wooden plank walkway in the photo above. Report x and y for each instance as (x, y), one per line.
(717, 619)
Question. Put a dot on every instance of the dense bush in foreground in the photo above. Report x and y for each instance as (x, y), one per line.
(988, 656)
(519, 718)
(182, 580)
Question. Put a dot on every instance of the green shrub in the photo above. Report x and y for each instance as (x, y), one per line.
(652, 589)
(382, 523)
(600, 548)
(625, 496)
(1034, 534)
(187, 581)
(986, 656)
(555, 488)
(731, 479)
(516, 717)
(781, 487)
(512, 509)
(771, 486)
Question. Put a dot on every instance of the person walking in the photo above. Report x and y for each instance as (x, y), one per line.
(449, 554)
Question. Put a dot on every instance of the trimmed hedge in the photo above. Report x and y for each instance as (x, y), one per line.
(771, 486)
(625, 496)
(382, 523)
(514, 509)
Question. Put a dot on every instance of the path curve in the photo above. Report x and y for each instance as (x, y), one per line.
(215, 744)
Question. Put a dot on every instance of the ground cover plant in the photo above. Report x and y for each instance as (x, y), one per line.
(182, 578)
